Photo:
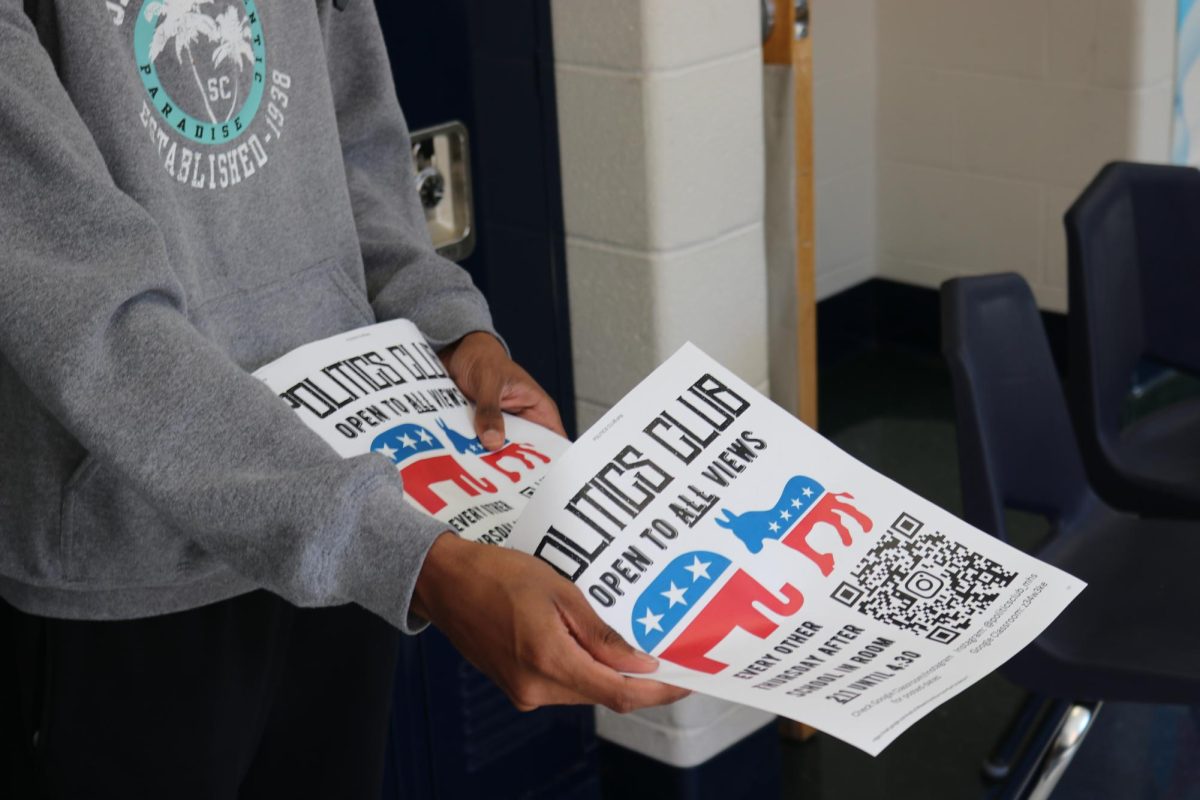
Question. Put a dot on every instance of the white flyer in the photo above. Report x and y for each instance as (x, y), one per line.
(754, 558)
(382, 389)
(762, 564)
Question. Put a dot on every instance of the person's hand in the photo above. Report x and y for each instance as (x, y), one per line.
(481, 368)
(530, 630)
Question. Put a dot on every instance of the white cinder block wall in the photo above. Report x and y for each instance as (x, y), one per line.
(660, 129)
(844, 141)
(993, 116)
(661, 133)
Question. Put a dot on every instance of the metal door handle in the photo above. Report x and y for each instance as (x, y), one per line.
(441, 158)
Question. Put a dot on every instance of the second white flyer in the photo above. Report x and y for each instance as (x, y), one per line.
(382, 391)
(762, 564)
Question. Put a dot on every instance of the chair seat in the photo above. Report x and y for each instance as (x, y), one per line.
(1133, 633)
(1162, 453)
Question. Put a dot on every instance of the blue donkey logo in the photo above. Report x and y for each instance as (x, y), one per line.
(461, 443)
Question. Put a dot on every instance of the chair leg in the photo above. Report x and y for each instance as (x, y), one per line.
(1028, 756)
(1067, 740)
(1011, 745)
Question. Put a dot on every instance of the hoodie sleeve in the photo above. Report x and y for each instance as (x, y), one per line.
(406, 278)
(93, 321)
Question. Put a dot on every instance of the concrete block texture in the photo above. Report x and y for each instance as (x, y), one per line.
(604, 155)
(845, 219)
(915, 118)
(645, 35)
(845, 158)
(994, 116)
(960, 222)
(844, 111)
(614, 302)
(843, 37)
(1150, 137)
(661, 161)
(1006, 38)
(661, 134)
(1038, 131)
(1117, 44)
(630, 310)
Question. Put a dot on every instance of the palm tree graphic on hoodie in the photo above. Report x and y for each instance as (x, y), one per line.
(185, 22)
(233, 44)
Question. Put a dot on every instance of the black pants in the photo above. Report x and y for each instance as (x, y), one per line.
(247, 698)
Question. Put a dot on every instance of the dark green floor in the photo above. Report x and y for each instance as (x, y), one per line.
(894, 411)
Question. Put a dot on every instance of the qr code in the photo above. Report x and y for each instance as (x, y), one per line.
(922, 582)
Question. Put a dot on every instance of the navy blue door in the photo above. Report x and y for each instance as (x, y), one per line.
(490, 65)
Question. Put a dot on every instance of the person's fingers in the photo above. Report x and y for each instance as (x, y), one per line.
(481, 368)
(512, 617)
(601, 684)
(530, 402)
(609, 653)
(599, 640)
(562, 671)
(622, 695)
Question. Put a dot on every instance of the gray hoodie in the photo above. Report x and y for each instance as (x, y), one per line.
(189, 189)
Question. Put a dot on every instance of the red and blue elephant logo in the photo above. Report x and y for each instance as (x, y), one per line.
(739, 601)
(423, 462)
(691, 579)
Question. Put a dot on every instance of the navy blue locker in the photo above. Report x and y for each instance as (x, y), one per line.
(491, 66)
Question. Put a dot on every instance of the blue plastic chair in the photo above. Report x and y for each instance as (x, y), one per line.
(1133, 244)
(1131, 635)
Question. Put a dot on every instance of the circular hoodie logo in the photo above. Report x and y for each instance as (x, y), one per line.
(203, 63)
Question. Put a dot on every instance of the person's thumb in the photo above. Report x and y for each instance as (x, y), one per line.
(489, 422)
(605, 644)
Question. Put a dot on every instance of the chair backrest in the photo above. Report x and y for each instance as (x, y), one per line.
(1015, 442)
(1133, 252)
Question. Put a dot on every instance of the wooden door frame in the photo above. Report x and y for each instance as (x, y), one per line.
(783, 48)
